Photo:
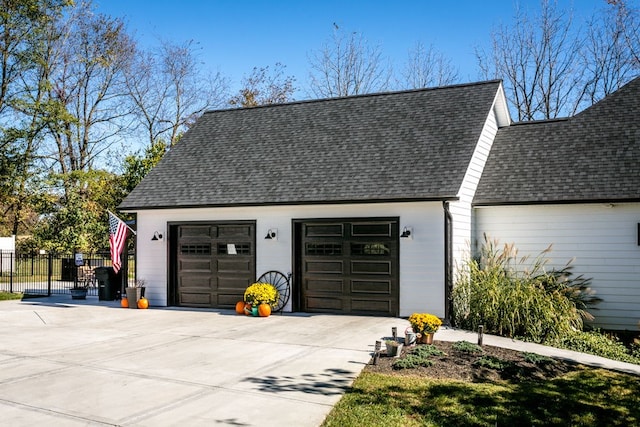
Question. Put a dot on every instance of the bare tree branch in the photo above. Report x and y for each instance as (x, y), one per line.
(426, 67)
(169, 91)
(263, 87)
(348, 65)
(552, 68)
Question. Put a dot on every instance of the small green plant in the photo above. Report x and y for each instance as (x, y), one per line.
(635, 350)
(427, 351)
(467, 347)
(596, 343)
(411, 361)
(536, 359)
(419, 356)
(491, 362)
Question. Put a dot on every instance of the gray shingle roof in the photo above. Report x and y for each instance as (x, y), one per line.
(591, 157)
(413, 145)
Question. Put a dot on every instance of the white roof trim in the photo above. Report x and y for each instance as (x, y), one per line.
(501, 108)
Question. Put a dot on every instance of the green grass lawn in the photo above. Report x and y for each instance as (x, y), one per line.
(589, 397)
(8, 295)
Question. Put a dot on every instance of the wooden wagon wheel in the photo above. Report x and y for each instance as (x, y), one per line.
(281, 283)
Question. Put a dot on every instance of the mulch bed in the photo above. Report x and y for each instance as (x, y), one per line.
(457, 365)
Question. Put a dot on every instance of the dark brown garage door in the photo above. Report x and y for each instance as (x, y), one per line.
(349, 267)
(214, 263)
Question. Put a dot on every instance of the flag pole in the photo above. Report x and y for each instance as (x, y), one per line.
(126, 225)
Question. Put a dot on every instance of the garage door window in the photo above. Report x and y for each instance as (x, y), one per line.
(370, 249)
(234, 249)
(358, 230)
(195, 249)
(324, 249)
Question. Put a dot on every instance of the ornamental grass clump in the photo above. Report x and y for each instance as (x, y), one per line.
(424, 323)
(513, 297)
(261, 293)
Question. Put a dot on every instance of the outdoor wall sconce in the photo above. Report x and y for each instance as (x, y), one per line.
(272, 234)
(157, 236)
(407, 233)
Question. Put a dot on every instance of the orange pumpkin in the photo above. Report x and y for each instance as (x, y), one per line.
(264, 310)
(247, 309)
(240, 307)
(143, 303)
(124, 302)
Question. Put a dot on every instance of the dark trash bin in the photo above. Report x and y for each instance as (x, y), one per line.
(108, 283)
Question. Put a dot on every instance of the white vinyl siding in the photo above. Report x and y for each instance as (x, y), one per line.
(602, 238)
(461, 211)
(421, 257)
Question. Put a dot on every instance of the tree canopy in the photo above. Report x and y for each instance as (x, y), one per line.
(85, 112)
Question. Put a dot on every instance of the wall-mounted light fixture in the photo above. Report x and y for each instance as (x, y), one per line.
(157, 236)
(272, 234)
(407, 233)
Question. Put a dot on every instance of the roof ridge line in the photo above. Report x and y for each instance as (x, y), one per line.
(363, 95)
(535, 122)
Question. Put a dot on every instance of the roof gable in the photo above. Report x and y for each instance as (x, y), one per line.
(593, 156)
(412, 145)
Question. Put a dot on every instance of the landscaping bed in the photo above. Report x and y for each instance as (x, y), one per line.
(491, 363)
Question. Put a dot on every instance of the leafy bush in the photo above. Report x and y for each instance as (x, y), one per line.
(427, 351)
(411, 361)
(419, 356)
(635, 350)
(467, 347)
(514, 298)
(536, 359)
(491, 362)
(596, 343)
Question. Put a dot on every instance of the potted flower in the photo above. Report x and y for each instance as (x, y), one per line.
(262, 297)
(425, 325)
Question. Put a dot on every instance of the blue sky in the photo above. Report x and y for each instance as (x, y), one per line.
(235, 36)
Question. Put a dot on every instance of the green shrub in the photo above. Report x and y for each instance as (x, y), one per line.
(596, 343)
(512, 297)
(491, 362)
(467, 347)
(411, 361)
(419, 356)
(427, 351)
(635, 350)
(536, 359)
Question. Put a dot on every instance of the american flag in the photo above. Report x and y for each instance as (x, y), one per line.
(118, 231)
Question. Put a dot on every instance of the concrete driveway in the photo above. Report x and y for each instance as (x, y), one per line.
(66, 362)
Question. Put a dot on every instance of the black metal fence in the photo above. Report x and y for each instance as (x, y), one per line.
(47, 274)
